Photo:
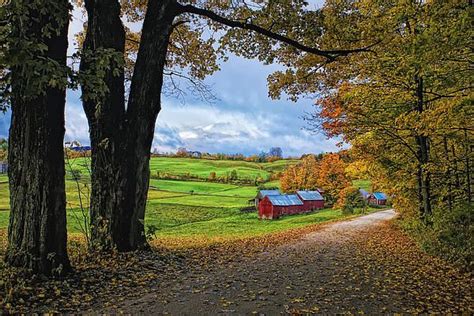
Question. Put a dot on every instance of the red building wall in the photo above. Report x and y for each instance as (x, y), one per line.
(265, 209)
(311, 205)
(374, 201)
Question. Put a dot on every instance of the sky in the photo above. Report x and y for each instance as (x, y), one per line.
(243, 119)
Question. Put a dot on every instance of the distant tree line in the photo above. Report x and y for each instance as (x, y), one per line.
(232, 177)
(274, 154)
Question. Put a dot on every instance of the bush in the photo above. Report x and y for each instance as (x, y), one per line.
(347, 209)
(233, 175)
(349, 199)
(451, 235)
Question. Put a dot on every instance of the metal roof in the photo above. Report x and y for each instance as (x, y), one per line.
(380, 196)
(364, 193)
(264, 193)
(310, 195)
(285, 200)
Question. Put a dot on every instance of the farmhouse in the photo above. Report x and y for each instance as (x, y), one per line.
(195, 154)
(311, 199)
(274, 206)
(377, 198)
(263, 193)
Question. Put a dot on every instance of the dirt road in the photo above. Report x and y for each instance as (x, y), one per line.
(360, 265)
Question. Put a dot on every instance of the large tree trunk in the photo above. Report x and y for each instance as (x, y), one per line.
(143, 107)
(37, 231)
(121, 141)
(105, 110)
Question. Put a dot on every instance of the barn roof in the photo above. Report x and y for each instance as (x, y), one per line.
(285, 200)
(264, 193)
(380, 196)
(364, 193)
(310, 195)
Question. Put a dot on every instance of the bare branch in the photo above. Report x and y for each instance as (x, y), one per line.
(329, 54)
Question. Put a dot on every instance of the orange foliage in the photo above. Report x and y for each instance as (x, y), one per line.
(301, 176)
(332, 115)
(329, 174)
(332, 176)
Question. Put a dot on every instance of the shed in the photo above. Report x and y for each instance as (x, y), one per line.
(274, 206)
(377, 198)
(263, 193)
(311, 200)
(364, 194)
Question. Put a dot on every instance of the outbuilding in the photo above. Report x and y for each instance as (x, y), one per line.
(263, 193)
(274, 206)
(377, 198)
(311, 200)
(364, 194)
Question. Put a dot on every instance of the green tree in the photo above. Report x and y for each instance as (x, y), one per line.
(34, 45)
(404, 107)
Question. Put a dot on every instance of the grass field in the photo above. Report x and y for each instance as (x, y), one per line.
(193, 209)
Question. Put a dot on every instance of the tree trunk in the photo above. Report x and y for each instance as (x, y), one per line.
(423, 155)
(121, 140)
(37, 232)
(105, 39)
(448, 175)
(468, 147)
(143, 107)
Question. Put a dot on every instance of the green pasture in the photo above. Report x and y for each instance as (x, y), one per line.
(363, 184)
(190, 209)
(203, 167)
(199, 167)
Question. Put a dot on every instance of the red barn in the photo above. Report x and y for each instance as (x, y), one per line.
(377, 198)
(274, 206)
(263, 193)
(312, 200)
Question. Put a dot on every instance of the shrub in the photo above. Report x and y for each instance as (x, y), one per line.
(349, 199)
(451, 235)
(212, 176)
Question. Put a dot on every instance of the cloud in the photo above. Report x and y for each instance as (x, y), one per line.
(230, 129)
(243, 120)
(76, 121)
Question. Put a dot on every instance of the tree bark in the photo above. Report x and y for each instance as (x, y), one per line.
(121, 139)
(423, 155)
(448, 175)
(105, 115)
(143, 107)
(37, 232)
(468, 148)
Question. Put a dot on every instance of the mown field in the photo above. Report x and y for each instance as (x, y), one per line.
(189, 209)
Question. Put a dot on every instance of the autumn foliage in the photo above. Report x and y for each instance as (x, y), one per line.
(310, 174)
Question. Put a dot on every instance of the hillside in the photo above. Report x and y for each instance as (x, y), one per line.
(184, 211)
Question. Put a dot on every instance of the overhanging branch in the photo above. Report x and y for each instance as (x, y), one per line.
(329, 54)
